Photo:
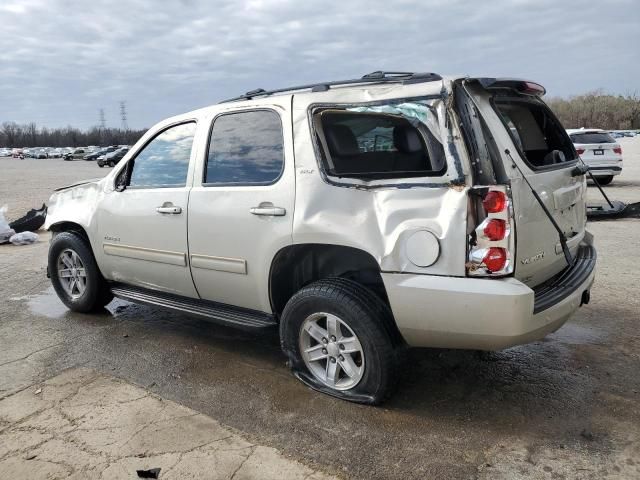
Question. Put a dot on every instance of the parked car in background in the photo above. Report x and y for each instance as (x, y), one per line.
(392, 226)
(5, 152)
(40, 153)
(112, 158)
(76, 154)
(599, 151)
(16, 152)
(98, 153)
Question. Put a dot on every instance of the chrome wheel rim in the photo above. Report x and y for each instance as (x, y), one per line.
(72, 273)
(331, 351)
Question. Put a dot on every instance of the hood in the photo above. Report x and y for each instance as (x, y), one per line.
(82, 182)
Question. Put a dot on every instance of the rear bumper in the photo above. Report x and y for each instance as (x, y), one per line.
(486, 314)
(606, 170)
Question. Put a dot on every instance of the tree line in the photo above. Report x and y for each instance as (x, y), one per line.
(598, 110)
(30, 135)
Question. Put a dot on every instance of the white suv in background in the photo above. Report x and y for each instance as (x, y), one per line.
(599, 151)
(359, 217)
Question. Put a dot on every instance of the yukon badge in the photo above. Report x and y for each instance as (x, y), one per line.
(535, 258)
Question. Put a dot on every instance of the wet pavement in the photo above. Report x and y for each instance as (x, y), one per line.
(564, 407)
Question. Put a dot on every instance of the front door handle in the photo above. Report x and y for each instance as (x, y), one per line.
(169, 208)
(268, 211)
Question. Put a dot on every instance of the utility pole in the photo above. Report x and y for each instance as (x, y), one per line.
(102, 126)
(123, 115)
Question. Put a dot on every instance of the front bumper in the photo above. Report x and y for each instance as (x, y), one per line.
(486, 314)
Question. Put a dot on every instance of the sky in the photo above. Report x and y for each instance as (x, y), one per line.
(61, 61)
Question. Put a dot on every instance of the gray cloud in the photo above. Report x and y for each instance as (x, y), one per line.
(62, 60)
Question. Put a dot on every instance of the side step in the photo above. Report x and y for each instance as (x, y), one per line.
(218, 312)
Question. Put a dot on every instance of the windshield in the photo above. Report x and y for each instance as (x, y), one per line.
(396, 140)
(591, 137)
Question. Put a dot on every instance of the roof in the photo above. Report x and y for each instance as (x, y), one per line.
(377, 77)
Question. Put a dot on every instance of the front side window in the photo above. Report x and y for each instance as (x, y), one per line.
(538, 135)
(399, 140)
(246, 148)
(164, 161)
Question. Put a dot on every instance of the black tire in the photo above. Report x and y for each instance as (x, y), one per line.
(369, 319)
(100, 165)
(111, 164)
(605, 180)
(97, 293)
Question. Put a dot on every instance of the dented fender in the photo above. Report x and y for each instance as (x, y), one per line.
(76, 204)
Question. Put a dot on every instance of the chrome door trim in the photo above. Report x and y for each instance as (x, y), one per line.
(148, 254)
(221, 264)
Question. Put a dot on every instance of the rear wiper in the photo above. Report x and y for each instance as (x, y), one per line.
(563, 239)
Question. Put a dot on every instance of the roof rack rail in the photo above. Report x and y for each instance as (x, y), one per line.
(378, 76)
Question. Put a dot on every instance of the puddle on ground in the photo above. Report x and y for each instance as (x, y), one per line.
(572, 334)
(49, 305)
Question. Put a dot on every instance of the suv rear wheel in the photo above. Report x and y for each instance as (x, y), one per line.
(337, 335)
(75, 275)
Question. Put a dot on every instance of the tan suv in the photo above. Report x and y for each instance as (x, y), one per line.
(359, 217)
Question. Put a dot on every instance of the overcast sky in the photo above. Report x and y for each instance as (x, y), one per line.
(63, 60)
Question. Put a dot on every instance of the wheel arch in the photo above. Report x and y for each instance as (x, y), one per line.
(67, 226)
(295, 266)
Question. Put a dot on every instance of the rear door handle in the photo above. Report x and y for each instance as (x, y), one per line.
(169, 208)
(268, 211)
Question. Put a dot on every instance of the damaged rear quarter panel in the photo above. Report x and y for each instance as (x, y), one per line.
(379, 220)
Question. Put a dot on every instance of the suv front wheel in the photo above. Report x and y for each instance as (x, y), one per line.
(75, 275)
(338, 337)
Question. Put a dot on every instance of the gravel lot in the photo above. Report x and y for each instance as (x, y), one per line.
(564, 407)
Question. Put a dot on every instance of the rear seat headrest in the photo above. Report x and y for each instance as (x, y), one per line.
(406, 139)
(341, 140)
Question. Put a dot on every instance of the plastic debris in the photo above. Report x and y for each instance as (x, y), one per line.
(38, 391)
(32, 221)
(24, 238)
(6, 232)
(151, 473)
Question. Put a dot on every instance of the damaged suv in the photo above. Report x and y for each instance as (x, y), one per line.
(360, 217)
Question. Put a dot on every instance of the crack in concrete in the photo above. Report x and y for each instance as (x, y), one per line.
(253, 450)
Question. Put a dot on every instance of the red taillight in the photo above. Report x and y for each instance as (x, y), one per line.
(618, 150)
(495, 259)
(580, 151)
(495, 229)
(494, 202)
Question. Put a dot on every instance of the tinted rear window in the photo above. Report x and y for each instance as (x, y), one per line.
(246, 148)
(539, 136)
(592, 137)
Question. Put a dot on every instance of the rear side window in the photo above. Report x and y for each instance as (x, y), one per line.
(246, 148)
(381, 142)
(591, 137)
(539, 136)
(164, 161)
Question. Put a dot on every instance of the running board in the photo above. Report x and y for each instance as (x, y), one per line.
(218, 312)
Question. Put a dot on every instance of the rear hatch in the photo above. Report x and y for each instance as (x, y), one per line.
(526, 140)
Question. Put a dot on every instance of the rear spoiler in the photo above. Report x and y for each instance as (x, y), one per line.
(522, 86)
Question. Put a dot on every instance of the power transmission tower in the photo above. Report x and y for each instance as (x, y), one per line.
(103, 122)
(123, 115)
